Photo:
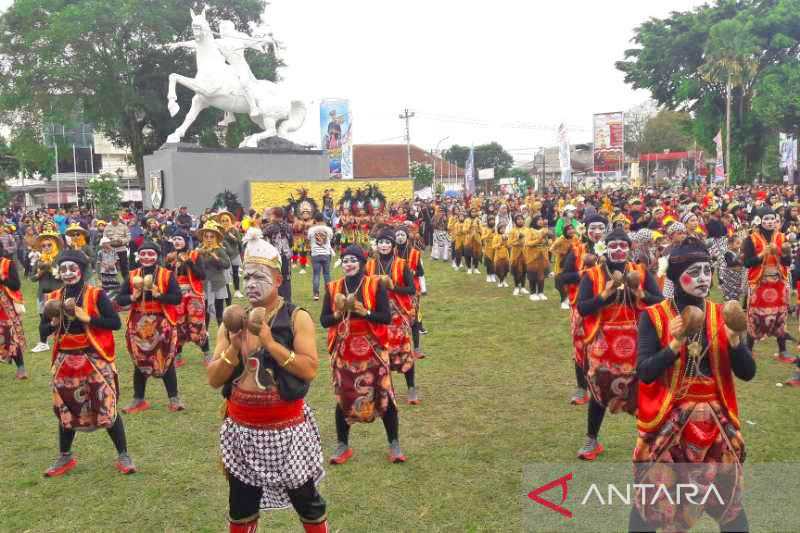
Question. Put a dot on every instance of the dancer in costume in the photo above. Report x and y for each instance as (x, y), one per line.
(45, 275)
(500, 258)
(79, 240)
(107, 268)
(460, 234)
(610, 297)
(85, 384)
(537, 242)
(731, 270)
(572, 268)
(440, 249)
(767, 261)
(356, 312)
(472, 241)
(516, 239)
(413, 258)
(269, 441)
(214, 261)
(688, 418)
(232, 243)
(487, 244)
(399, 281)
(151, 335)
(190, 318)
(12, 335)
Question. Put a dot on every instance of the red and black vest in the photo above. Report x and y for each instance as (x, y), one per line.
(101, 340)
(160, 280)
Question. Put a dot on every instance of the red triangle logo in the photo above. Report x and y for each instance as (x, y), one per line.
(562, 482)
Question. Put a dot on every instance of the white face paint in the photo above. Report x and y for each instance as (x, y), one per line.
(384, 246)
(148, 258)
(179, 243)
(768, 222)
(696, 280)
(618, 251)
(259, 283)
(350, 265)
(69, 272)
(401, 237)
(596, 230)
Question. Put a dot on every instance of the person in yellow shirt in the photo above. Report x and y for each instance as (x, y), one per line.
(500, 258)
(452, 230)
(460, 231)
(537, 241)
(516, 239)
(487, 245)
(472, 241)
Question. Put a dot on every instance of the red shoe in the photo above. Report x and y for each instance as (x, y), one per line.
(179, 362)
(125, 464)
(137, 406)
(794, 383)
(418, 355)
(413, 398)
(342, 455)
(395, 454)
(580, 397)
(783, 359)
(63, 464)
(591, 450)
(322, 527)
(22, 373)
(244, 527)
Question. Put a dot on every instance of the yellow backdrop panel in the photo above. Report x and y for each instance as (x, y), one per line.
(264, 194)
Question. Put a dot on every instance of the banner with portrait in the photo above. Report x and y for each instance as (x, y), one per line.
(337, 140)
(609, 141)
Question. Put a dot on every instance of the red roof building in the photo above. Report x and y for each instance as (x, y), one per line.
(390, 161)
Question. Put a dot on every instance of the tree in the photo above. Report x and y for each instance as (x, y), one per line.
(229, 201)
(106, 194)
(688, 60)
(523, 179)
(668, 130)
(635, 121)
(422, 173)
(491, 155)
(106, 61)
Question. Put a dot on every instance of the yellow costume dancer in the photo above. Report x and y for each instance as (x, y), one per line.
(537, 241)
(487, 245)
(516, 239)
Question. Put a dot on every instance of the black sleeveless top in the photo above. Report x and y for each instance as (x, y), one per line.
(290, 387)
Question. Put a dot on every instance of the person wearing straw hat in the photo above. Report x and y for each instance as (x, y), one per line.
(151, 334)
(270, 443)
(232, 242)
(78, 238)
(45, 274)
(215, 262)
(12, 335)
(85, 384)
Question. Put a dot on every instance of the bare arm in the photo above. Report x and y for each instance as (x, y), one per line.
(305, 363)
(226, 358)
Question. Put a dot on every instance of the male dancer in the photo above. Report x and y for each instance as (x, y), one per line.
(687, 410)
(399, 281)
(151, 335)
(85, 383)
(572, 268)
(270, 443)
(610, 309)
(357, 342)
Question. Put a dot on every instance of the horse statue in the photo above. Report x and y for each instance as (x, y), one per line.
(224, 80)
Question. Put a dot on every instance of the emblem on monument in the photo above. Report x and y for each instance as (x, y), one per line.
(224, 80)
(156, 190)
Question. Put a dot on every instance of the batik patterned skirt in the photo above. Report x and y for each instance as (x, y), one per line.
(12, 336)
(277, 460)
(401, 353)
(611, 366)
(441, 245)
(85, 390)
(191, 321)
(696, 445)
(732, 282)
(767, 309)
(577, 333)
(152, 342)
(363, 386)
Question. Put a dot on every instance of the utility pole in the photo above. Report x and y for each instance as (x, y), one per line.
(728, 133)
(407, 116)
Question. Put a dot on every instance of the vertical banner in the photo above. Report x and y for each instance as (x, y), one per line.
(719, 165)
(788, 153)
(336, 130)
(609, 141)
(564, 157)
(469, 172)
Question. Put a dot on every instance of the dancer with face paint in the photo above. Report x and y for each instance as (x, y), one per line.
(85, 384)
(269, 440)
(687, 409)
(191, 312)
(413, 258)
(215, 261)
(356, 312)
(516, 239)
(610, 298)
(767, 262)
(151, 333)
(399, 281)
(12, 335)
(572, 268)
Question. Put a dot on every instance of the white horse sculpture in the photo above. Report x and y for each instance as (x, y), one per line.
(217, 84)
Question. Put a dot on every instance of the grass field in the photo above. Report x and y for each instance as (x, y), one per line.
(494, 391)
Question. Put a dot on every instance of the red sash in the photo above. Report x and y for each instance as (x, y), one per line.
(591, 323)
(5, 267)
(755, 273)
(161, 280)
(404, 301)
(102, 340)
(656, 399)
(578, 250)
(196, 284)
(356, 342)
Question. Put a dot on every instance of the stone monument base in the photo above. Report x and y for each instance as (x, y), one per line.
(190, 175)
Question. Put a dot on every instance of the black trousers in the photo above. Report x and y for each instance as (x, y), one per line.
(170, 383)
(244, 500)
(116, 432)
(391, 423)
(123, 264)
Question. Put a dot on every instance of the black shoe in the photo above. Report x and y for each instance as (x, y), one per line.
(422, 330)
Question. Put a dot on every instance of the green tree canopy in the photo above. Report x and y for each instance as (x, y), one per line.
(491, 155)
(106, 60)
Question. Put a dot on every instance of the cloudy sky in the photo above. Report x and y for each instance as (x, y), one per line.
(472, 71)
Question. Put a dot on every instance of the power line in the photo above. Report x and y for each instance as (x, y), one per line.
(407, 116)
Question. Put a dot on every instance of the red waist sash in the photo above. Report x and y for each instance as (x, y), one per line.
(701, 390)
(149, 308)
(73, 342)
(264, 409)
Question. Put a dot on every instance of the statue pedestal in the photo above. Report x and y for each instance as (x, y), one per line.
(191, 175)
